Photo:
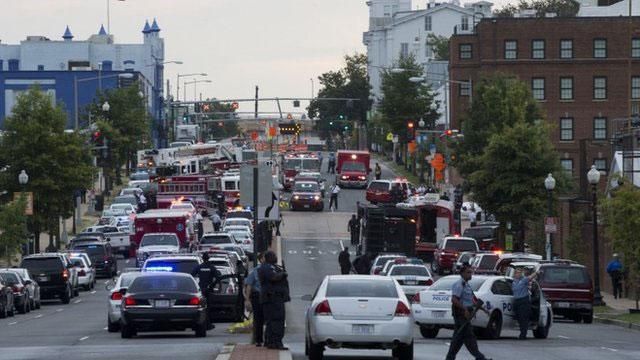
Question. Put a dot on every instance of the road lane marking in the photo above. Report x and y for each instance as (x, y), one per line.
(38, 316)
(84, 338)
(93, 292)
(59, 310)
(607, 348)
(341, 245)
(77, 301)
(563, 337)
(104, 328)
(126, 262)
(313, 258)
(13, 323)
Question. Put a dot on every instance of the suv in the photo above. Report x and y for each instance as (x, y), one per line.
(568, 287)
(484, 263)
(486, 234)
(156, 243)
(446, 253)
(52, 271)
(306, 195)
(101, 257)
(379, 191)
(182, 263)
(211, 240)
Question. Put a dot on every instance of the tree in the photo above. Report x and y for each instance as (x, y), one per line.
(509, 177)
(440, 46)
(57, 162)
(622, 219)
(228, 128)
(13, 228)
(562, 8)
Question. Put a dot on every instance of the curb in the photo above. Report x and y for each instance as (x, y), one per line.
(225, 353)
(618, 323)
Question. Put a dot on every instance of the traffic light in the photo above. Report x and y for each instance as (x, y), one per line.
(411, 132)
(449, 133)
(97, 139)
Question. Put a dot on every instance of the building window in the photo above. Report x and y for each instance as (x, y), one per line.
(601, 164)
(428, 49)
(566, 88)
(387, 11)
(427, 23)
(466, 51)
(14, 65)
(566, 129)
(567, 166)
(1, 64)
(404, 50)
(40, 67)
(600, 48)
(537, 88)
(635, 87)
(464, 23)
(566, 49)
(599, 87)
(537, 49)
(510, 49)
(635, 48)
(464, 88)
(600, 128)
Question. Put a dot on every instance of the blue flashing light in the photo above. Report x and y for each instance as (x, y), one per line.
(159, 268)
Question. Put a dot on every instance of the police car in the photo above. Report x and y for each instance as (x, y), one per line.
(431, 308)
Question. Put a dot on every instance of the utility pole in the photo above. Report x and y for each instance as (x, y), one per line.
(256, 106)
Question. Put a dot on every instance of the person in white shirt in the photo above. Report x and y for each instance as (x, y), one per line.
(143, 203)
(335, 190)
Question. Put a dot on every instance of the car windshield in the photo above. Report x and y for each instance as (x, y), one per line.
(41, 264)
(164, 240)
(127, 199)
(91, 249)
(353, 166)
(409, 270)
(461, 245)
(565, 275)
(291, 164)
(488, 262)
(216, 239)
(379, 186)
(465, 257)
(479, 232)
(139, 176)
(78, 262)
(362, 288)
(306, 187)
(163, 283)
(237, 222)
(173, 265)
(447, 282)
(311, 164)
(240, 234)
(10, 278)
(126, 279)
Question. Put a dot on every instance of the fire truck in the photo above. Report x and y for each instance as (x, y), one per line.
(200, 190)
(296, 162)
(179, 222)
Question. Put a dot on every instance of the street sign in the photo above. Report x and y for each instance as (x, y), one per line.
(432, 149)
(438, 162)
(389, 137)
(395, 139)
(265, 185)
(550, 225)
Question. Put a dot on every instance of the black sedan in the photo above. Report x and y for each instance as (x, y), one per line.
(157, 301)
(6, 300)
(226, 302)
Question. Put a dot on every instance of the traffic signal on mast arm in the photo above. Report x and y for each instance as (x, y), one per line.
(97, 138)
(449, 133)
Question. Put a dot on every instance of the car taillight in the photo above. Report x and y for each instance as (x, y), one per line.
(323, 309)
(194, 301)
(416, 298)
(247, 242)
(129, 301)
(82, 273)
(402, 309)
(106, 259)
(65, 274)
(116, 295)
(17, 288)
(376, 271)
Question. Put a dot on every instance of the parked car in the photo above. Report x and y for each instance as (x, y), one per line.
(412, 278)
(220, 238)
(244, 239)
(7, 307)
(338, 319)
(568, 286)
(53, 273)
(32, 285)
(20, 291)
(484, 263)
(117, 290)
(381, 260)
(156, 243)
(486, 234)
(507, 258)
(157, 301)
(463, 257)
(225, 300)
(182, 263)
(312, 176)
(379, 191)
(126, 199)
(123, 208)
(101, 256)
(447, 252)
(86, 273)
(231, 221)
(135, 191)
(432, 307)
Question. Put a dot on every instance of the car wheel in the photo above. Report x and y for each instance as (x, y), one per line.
(66, 297)
(38, 304)
(543, 332)
(494, 327)
(127, 332)
(316, 351)
(4, 313)
(76, 291)
(27, 307)
(112, 326)
(403, 352)
(429, 332)
(201, 330)
(12, 311)
(588, 319)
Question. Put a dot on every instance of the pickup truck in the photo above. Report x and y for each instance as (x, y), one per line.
(119, 241)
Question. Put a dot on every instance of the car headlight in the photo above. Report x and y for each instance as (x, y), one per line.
(344, 177)
(316, 198)
(296, 197)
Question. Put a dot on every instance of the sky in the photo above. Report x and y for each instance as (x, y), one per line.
(279, 45)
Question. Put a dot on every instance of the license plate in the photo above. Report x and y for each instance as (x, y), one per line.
(362, 329)
(161, 304)
(43, 278)
(438, 314)
(410, 282)
(306, 206)
(563, 304)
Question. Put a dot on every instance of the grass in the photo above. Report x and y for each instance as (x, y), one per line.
(603, 310)
(398, 169)
(610, 313)
(631, 318)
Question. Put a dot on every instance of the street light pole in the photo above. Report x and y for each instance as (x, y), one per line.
(23, 179)
(549, 184)
(594, 178)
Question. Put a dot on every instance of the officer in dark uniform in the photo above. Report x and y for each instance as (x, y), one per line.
(354, 229)
(206, 274)
(344, 261)
(462, 304)
(397, 195)
(274, 292)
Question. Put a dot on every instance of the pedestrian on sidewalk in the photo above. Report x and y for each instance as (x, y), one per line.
(521, 300)
(216, 220)
(614, 269)
(344, 261)
(354, 229)
(274, 293)
(335, 190)
(252, 301)
(378, 171)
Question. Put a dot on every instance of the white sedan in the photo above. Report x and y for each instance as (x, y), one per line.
(116, 292)
(412, 278)
(432, 311)
(244, 239)
(86, 273)
(359, 311)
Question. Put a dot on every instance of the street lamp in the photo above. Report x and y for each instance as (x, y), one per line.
(550, 184)
(23, 179)
(593, 176)
(178, 83)
(75, 89)
(106, 107)
(194, 82)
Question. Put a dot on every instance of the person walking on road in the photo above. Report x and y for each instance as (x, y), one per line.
(396, 194)
(143, 203)
(274, 292)
(335, 190)
(614, 269)
(462, 303)
(521, 300)
(378, 171)
(332, 164)
(354, 229)
(199, 225)
(216, 220)
(252, 301)
(344, 261)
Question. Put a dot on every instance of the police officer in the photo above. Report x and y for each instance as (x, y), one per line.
(462, 307)
(252, 294)
(206, 274)
(274, 292)
(521, 300)
(344, 261)
(396, 194)
(378, 171)
(354, 229)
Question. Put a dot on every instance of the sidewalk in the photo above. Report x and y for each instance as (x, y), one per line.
(618, 304)
(251, 352)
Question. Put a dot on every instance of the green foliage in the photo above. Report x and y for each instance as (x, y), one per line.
(228, 128)
(563, 8)
(13, 227)
(440, 45)
(57, 162)
(349, 82)
(404, 100)
(622, 218)
(576, 249)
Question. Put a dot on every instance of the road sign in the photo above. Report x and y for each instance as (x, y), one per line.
(438, 162)
(395, 139)
(551, 225)
(432, 149)
(235, 105)
(265, 185)
(389, 137)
